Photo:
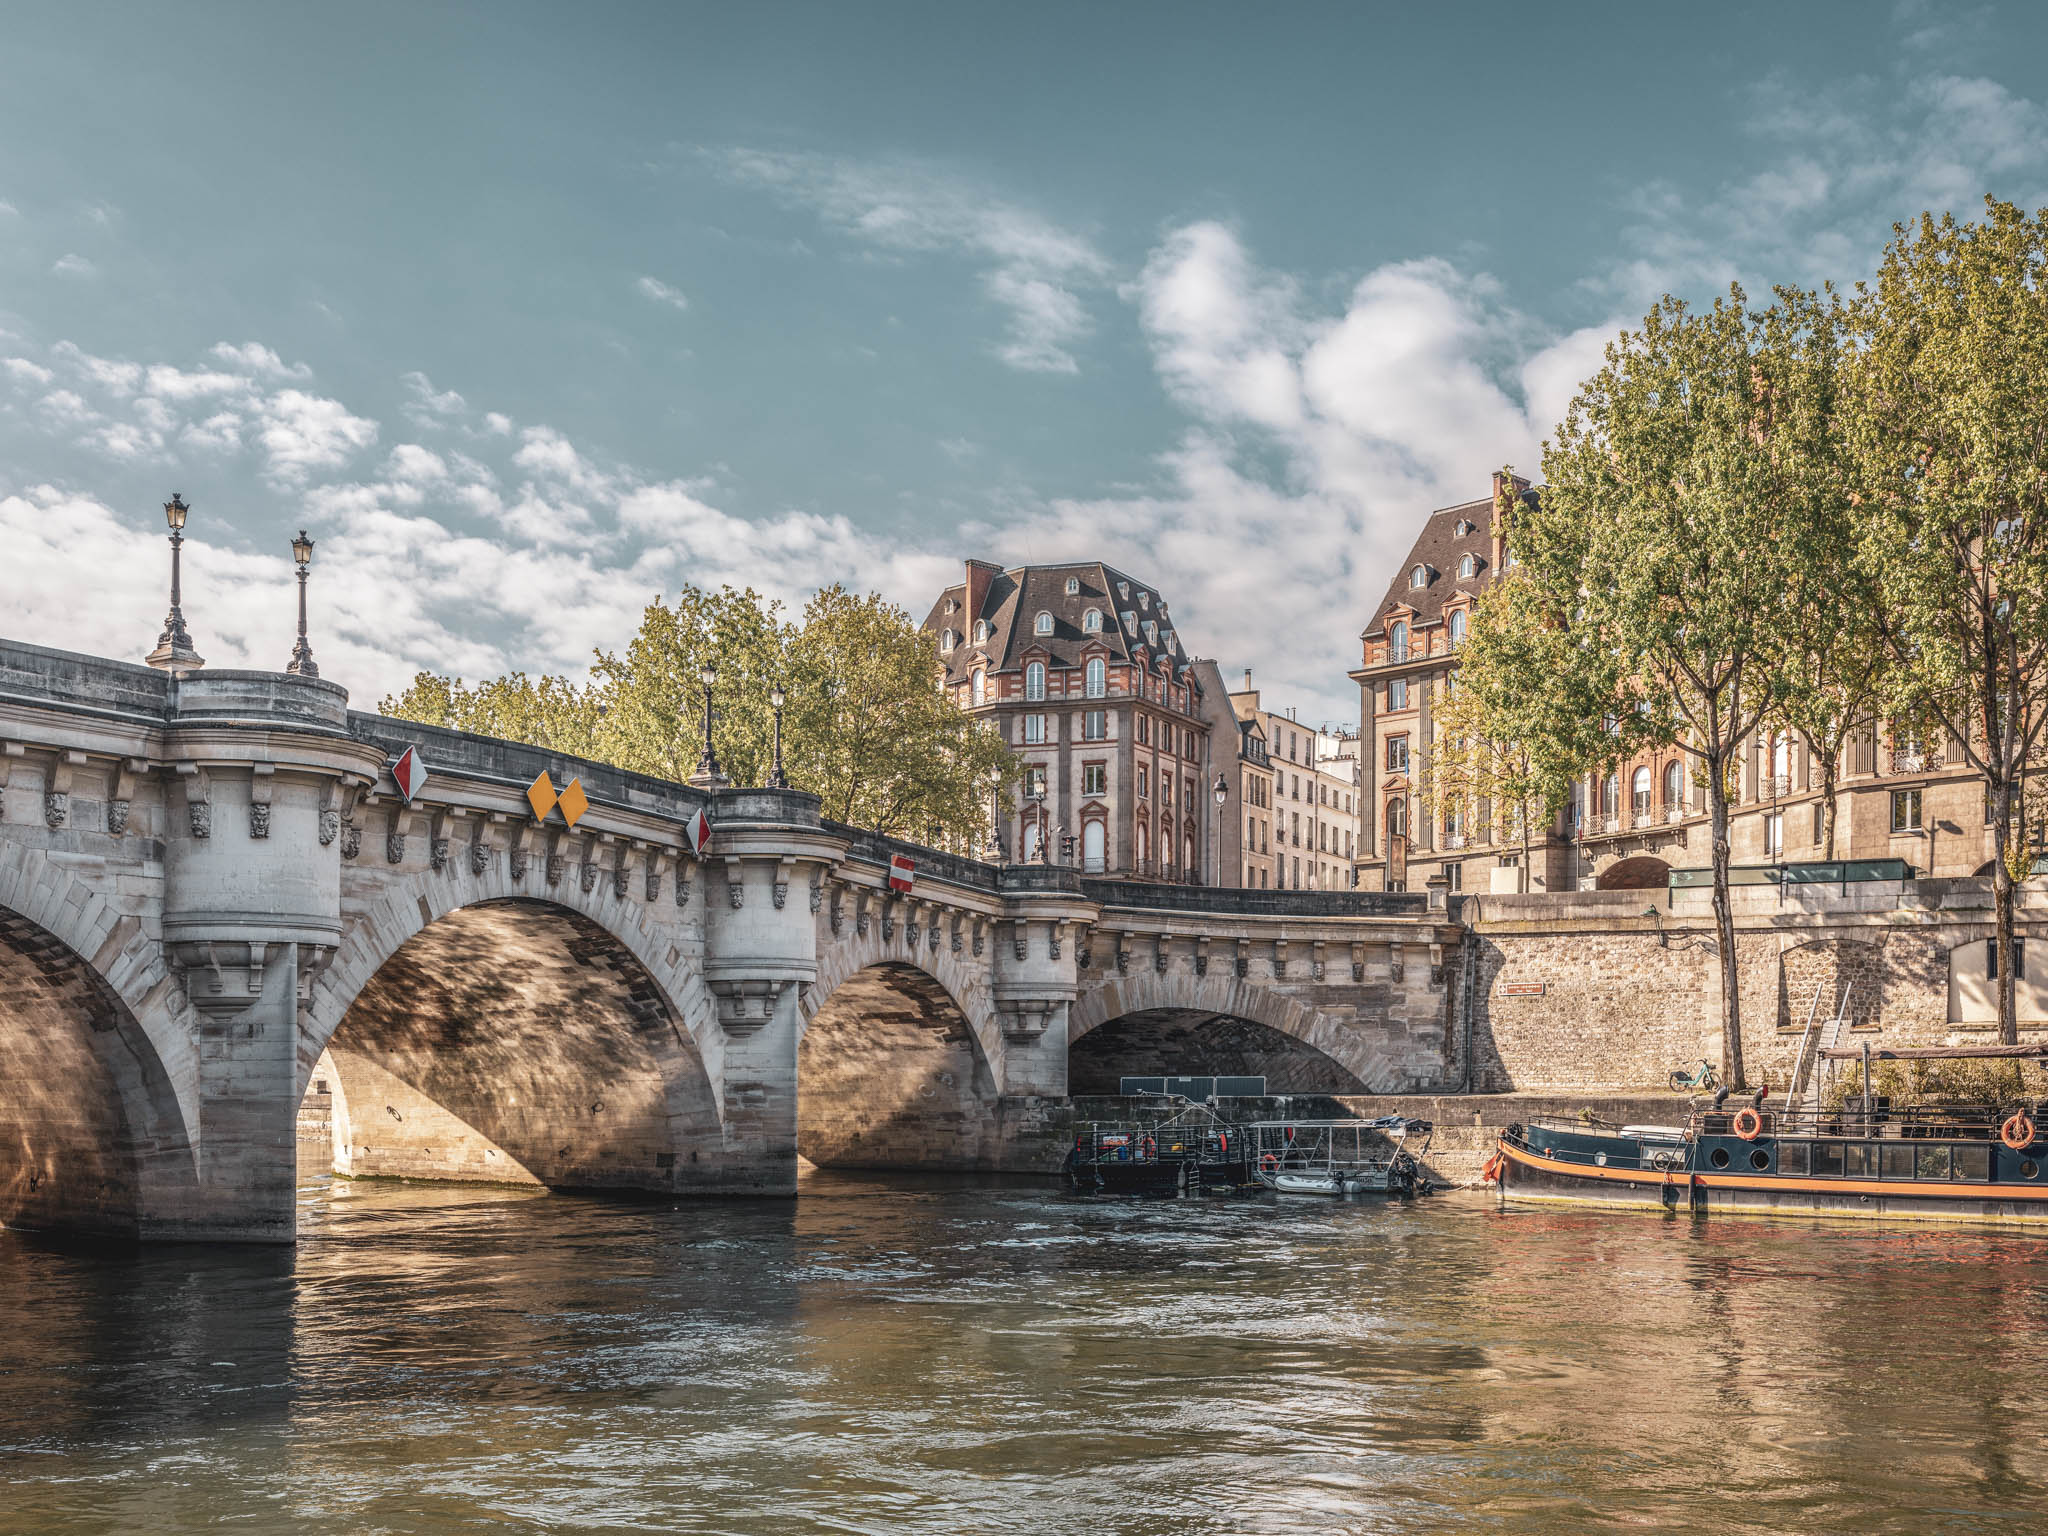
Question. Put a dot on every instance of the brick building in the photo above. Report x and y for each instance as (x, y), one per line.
(1630, 824)
(1081, 670)
(1303, 834)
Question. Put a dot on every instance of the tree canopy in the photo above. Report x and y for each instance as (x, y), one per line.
(865, 726)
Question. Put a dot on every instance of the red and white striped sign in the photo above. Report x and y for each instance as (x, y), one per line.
(697, 828)
(902, 874)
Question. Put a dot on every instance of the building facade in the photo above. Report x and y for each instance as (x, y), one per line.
(1631, 823)
(1081, 670)
(1301, 832)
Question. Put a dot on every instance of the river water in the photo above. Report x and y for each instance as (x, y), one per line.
(888, 1354)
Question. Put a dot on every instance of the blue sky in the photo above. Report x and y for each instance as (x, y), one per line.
(531, 313)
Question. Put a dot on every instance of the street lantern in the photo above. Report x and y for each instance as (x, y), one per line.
(302, 653)
(174, 646)
(777, 779)
(1036, 795)
(1221, 791)
(708, 774)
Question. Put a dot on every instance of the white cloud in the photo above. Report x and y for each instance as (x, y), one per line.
(661, 293)
(254, 358)
(304, 433)
(425, 404)
(1032, 265)
(24, 371)
(169, 383)
(71, 264)
(497, 423)
(115, 376)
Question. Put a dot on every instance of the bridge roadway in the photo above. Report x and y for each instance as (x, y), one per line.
(215, 908)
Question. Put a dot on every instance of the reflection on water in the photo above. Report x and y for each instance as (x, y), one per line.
(896, 1355)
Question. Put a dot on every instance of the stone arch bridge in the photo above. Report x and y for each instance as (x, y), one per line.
(214, 903)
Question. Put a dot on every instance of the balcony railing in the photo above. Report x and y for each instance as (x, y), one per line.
(1611, 824)
(1397, 653)
(1643, 818)
(1777, 785)
(1904, 761)
(1674, 813)
(1454, 839)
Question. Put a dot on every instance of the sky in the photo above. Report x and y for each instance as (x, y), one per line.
(530, 314)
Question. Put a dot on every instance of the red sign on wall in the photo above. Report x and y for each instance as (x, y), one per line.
(1520, 989)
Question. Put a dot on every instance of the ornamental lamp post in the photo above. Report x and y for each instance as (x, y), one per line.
(174, 650)
(1036, 795)
(302, 653)
(708, 775)
(777, 779)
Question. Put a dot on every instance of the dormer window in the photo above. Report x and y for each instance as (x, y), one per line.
(1458, 626)
(946, 639)
(1463, 529)
(1043, 624)
(1123, 590)
(1073, 586)
(1130, 620)
(1151, 632)
(981, 631)
(952, 605)
(1419, 577)
(1468, 567)
(1091, 622)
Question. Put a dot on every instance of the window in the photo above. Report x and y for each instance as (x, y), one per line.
(1043, 624)
(1166, 789)
(1034, 729)
(1463, 527)
(1034, 682)
(1419, 577)
(1507, 558)
(2019, 956)
(1397, 693)
(1610, 796)
(1144, 784)
(1828, 1159)
(1774, 835)
(1458, 626)
(977, 688)
(1097, 682)
(1639, 791)
(1455, 873)
(1397, 640)
(1674, 784)
(1034, 781)
(1094, 779)
(946, 638)
(1030, 841)
(1971, 1162)
(1094, 725)
(1091, 622)
(981, 631)
(1142, 844)
(1092, 847)
(1294, 792)
(1905, 810)
(1397, 818)
(1468, 567)
(1073, 585)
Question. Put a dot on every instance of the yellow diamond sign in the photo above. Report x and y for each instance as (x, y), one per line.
(574, 802)
(540, 794)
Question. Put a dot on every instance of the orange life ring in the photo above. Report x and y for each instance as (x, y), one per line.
(1223, 1141)
(1747, 1124)
(2018, 1132)
(1269, 1163)
(1151, 1147)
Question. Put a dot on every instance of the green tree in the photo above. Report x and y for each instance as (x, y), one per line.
(1947, 429)
(865, 726)
(1663, 544)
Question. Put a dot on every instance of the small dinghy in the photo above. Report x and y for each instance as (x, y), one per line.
(1341, 1157)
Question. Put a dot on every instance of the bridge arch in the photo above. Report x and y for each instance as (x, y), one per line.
(895, 1067)
(1152, 1016)
(93, 1136)
(515, 1032)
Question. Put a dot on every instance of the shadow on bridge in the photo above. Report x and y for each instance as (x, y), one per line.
(1182, 1042)
(514, 1042)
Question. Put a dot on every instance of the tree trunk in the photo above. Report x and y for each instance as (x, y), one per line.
(1830, 765)
(2002, 900)
(1724, 928)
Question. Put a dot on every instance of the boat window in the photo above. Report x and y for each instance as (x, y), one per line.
(2029, 1168)
(1972, 1162)
(1897, 1162)
(1792, 1156)
(1859, 1160)
(1719, 1157)
(1827, 1157)
(1933, 1163)
(1760, 1160)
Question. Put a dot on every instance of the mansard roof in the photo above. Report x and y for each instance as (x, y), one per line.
(1136, 622)
(1438, 548)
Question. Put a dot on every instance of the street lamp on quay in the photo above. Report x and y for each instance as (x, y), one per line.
(1036, 795)
(708, 774)
(777, 779)
(302, 653)
(174, 646)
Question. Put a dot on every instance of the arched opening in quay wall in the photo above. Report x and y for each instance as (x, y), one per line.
(91, 1136)
(890, 1075)
(512, 1041)
(1191, 1042)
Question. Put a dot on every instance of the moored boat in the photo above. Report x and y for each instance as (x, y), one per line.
(1865, 1157)
(1341, 1157)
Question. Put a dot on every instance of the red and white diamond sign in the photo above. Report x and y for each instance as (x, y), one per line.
(409, 773)
(697, 828)
(902, 873)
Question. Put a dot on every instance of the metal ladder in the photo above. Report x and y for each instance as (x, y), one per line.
(1805, 1090)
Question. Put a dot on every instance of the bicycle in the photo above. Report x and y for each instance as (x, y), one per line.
(1701, 1080)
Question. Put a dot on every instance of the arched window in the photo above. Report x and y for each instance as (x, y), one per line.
(1034, 681)
(1091, 847)
(977, 688)
(1507, 558)
(1096, 684)
(1043, 624)
(1468, 567)
(1639, 792)
(1142, 843)
(1166, 848)
(1610, 795)
(1457, 626)
(1419, 577)
(1397, 640)
(1091, 622)
(981, 631)
(946, 639)
(1073, 585)
(1187, 860)
(1397, 818)
(1781, 756)
(1030, 841)
(1674, 785)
